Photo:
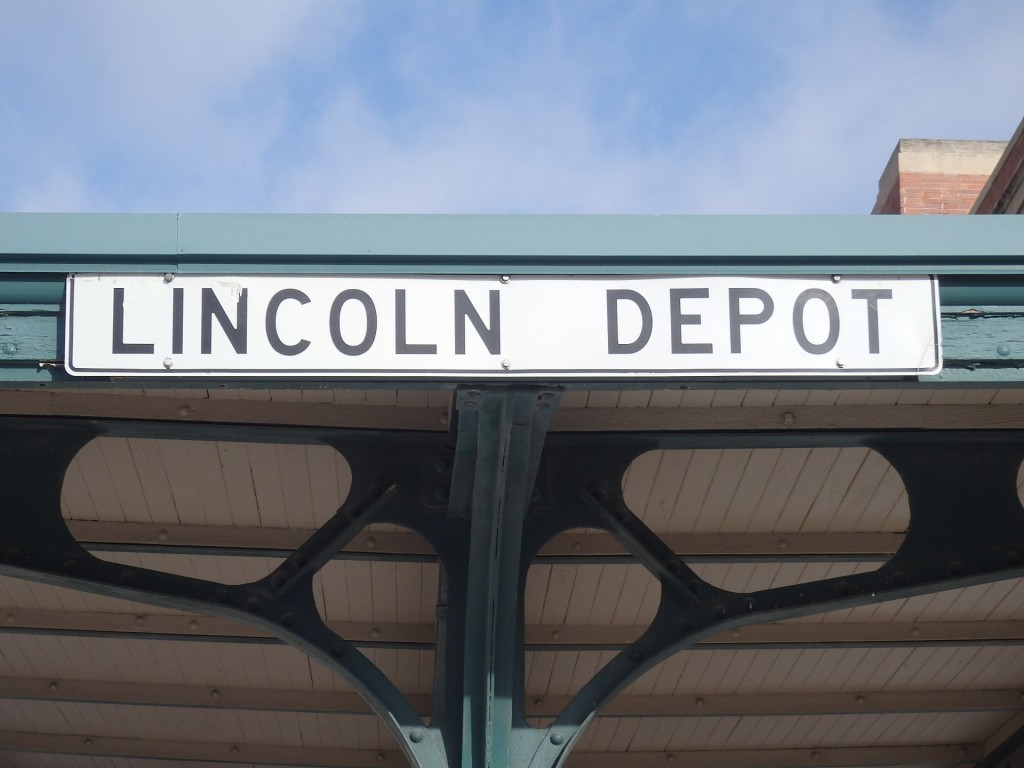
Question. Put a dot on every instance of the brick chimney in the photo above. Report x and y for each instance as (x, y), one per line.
(936, 176)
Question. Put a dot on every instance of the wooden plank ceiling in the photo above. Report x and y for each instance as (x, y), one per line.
(93, 681)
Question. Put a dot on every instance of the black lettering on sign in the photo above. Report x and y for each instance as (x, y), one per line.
(489, 334)
(615, 346)
(288, 294)
(676, 295)
(119, 346)
(737, 318)
(363, 298)
(872, 297)
(236, 333)
(402, 346)
(178, 321)
(798, 321)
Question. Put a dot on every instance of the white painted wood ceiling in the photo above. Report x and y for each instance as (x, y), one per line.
(935, 680)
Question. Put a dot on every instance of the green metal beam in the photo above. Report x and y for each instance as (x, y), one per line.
(968, 245)
(981, 344)
(980, 260)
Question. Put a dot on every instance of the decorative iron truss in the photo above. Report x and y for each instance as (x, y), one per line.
(487, 496)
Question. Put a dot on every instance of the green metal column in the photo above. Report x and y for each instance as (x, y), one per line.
(507, 429)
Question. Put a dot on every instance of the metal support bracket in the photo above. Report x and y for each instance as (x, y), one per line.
(966, 527)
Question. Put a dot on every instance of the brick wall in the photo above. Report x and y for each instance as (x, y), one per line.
(936, 177)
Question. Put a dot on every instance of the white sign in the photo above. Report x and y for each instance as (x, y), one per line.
(480, 327)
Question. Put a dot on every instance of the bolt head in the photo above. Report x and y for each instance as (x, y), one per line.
(168, 362)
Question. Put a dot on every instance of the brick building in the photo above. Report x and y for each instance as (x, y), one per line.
(928, 176)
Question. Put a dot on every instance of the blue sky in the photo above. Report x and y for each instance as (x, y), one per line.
(547, 107)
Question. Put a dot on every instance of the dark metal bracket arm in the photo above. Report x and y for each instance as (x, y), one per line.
(487, 498)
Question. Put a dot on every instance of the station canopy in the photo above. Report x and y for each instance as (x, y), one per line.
(511, 491)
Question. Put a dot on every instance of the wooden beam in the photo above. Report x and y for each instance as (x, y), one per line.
(829, 757)
(788, 418)
(326, 757)
(538, 637)
(570, 547)
(332, 702)
(781, 635)
(197, 408)
(187, 749)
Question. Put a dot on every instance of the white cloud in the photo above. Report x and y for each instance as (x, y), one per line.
(354, 107)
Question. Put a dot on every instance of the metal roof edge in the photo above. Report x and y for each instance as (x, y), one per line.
(557, 243)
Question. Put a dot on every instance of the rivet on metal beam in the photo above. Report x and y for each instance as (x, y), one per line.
(215, 694)
(505, 279)
(193, 625)
(788, 418)
(184, 410)
(168, 277)
(416, 735)
(54, 685)
(557, 738)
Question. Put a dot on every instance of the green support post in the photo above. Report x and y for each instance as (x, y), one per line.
(507, 429)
